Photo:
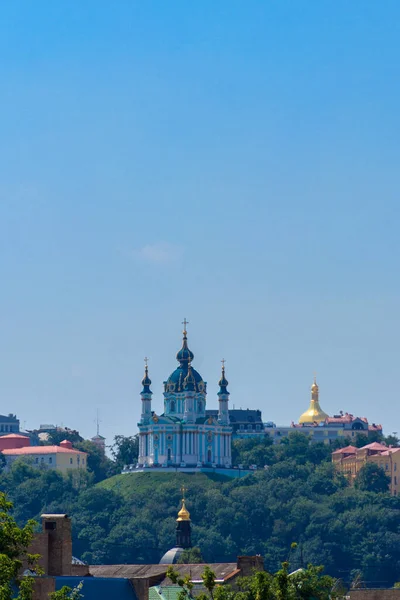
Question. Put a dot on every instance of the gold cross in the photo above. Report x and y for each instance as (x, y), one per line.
(184, 323)
(183, 490)
(146, 360)
(223, 363)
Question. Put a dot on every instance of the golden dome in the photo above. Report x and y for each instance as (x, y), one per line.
(314, 413)
(183, 514)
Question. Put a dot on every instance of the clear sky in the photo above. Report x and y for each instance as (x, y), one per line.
(235, 163)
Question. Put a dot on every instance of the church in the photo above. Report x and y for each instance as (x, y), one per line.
(184, 435)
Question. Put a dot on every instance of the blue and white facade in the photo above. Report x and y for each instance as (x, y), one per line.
(184, 436)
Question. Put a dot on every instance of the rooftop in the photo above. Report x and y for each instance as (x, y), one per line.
(29, 450)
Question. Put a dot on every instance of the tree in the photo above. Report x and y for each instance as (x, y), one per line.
(97, 462)
(304, 584)
(57, 436)
(372, 478)
(14, 543)
(125, 450)
(191, 556)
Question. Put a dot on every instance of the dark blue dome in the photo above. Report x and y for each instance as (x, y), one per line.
(175, 382)
(185, 355)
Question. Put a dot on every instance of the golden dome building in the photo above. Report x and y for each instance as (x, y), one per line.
(314, 413)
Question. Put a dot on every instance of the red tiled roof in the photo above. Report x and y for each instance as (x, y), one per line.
(41, 450)
(346, 450)
(374, 446)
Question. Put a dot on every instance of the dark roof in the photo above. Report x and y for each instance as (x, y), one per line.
(8, 419)
(100, 589)
(240, 415)
(176, 379)
(128, 571)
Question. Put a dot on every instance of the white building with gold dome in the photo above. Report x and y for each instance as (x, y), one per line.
(321, 427)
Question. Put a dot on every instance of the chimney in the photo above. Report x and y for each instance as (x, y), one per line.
(58, 530)
(249, 564)
(66, 444)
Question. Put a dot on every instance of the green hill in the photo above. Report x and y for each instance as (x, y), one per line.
(143, 484)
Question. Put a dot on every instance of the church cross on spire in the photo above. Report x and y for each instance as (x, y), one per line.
(223, 364)
(184, 323)
(146, 360)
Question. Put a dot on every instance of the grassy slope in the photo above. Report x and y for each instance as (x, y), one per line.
(142, 483)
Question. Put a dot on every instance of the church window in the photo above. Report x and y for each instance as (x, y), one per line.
(200, 407)
(169, 454)
(209, 456)
(172, 406)
(71, 461)
(50, 459)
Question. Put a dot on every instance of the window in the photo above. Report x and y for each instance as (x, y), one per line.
(71, 460)
(258, 427)
(78, 459)
(50, 460)
(386, 467)
(50, 525)
(200, 409)
(37, 460)
(172, 406)
(241, 427)
(395, 480)
(395, 467)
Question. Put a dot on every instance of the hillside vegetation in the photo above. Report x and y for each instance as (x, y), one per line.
(298, 498)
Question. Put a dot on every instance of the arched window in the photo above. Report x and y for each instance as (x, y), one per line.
(172, 406)
(200, 407)
(209, 456)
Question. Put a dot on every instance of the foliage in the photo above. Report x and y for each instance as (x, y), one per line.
(97, 462)
(14, 543)
(67, 593)
(372, 478)
(191, 556)
(300, 497)
(303, 584)
(57, 436)
(125, 450)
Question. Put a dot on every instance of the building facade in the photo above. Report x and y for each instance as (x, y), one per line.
(350, 460)
(8, 424)
(63, 457)
(321, 427)
(183, 435)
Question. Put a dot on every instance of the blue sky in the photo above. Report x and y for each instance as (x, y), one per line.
(235, 163)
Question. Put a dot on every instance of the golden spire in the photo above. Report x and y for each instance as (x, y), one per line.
(183, 514)
(314, 414)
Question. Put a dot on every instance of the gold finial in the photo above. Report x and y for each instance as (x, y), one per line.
(146, 360)
(223, 364)
(184, 323)
(183, 514)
